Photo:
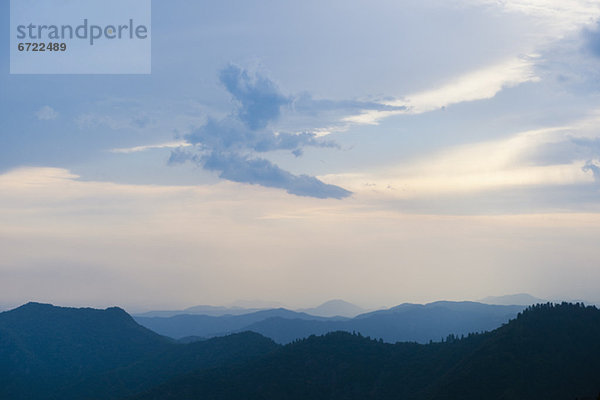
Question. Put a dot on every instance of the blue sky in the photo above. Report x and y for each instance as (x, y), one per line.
(297, 152)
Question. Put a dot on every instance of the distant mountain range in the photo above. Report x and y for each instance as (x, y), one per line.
(206, 326)
(407, 322)
(546, 352)
(214, 311)
(335, 308)
(520, 299)
(332, 308)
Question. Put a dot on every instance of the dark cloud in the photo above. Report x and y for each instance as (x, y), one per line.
(230, 134)
(237, 168)
(258, 171)
(592, 147)
(591, 166)
(179, 156)
(226, 145)
(259, 98)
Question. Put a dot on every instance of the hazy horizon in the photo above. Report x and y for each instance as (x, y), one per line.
(265, 305)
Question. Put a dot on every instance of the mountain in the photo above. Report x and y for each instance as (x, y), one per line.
(330, 308)
(403, 323)
(335, 308)
(238, 307)
(547, 352)
(179, 360)
(186, 325)
(53, 346)
(406, 322)
(49, 352)
(215, 311)
(256, 303)
(422, 323)
(520, 299)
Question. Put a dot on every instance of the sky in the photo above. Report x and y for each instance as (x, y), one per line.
(295, 152)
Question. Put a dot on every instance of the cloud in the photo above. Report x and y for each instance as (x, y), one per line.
(305, 103)
(217, 241)
(46, 113)
(231, 134)
(532, 160)
(259, 98)
(228, 145)
(476, 85)
(591, 166)
(137, 149)
(259, 171)
(555, 16)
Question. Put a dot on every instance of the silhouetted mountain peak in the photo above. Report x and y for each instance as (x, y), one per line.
(55, 318)
(33, 305)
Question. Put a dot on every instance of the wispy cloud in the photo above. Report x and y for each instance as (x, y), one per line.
(137, 149)
(228, 145)
(46, 113)
(476, 85)
(556, 16)
(554, 156)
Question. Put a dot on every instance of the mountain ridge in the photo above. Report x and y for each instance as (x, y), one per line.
(330, 308)
(335, 308)
(53, 353)
(406, 322)
(519, 360)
